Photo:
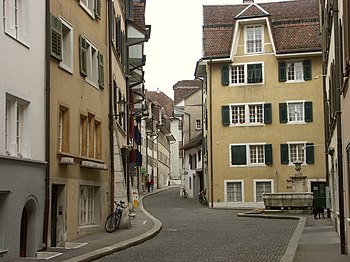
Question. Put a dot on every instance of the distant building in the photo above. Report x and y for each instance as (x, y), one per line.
(264, 105)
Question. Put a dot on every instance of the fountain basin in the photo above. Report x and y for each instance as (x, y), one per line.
(291, 202)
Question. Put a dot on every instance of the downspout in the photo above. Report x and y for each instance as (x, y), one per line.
(111, 115)
(325, 105)
(211, 135)
(47, 122)
(338, 60)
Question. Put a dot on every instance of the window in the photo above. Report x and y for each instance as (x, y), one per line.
(297, 151)
(254, 39)
(86, 205)
(92, 7)
(62, 42)
(90, 137)
(246, 114)
(251, 154)
(63, 130)
(198, 124)
(234, 192)
(243, 74)
(91, 63)
(294, 71)
(16, 122)
(296, 112)
(262, 187)
(16, 19)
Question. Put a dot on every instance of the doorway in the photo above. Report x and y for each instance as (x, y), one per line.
(57, 216)
(24, 233)
(319, 190)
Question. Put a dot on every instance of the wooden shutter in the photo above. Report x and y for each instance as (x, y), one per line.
(268, 154)
(82, 55)
(310, 159)
(238, 155)
(225, 115)
(98, 9)
(282, 73)
(308, 111)
(267, 113)
(225, 75)
(254, 73)
(100, 70)
(284, 154)
(307, 69)
(283, 112)
(56, 37)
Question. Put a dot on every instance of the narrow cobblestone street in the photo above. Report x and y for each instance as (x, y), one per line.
(192, 232)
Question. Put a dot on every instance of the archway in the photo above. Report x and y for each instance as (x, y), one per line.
(28, 233)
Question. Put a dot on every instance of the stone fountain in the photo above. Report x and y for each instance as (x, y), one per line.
(298, 201)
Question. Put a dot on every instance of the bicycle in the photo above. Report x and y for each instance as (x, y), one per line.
(183, 192)
(113, 220)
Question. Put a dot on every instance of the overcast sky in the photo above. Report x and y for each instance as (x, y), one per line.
(176, 40)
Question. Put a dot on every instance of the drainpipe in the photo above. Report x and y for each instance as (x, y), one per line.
(111, 118)
(47, 123)
(211, 134)
(338, 61)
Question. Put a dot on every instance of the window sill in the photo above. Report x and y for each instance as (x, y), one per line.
(242, 125)
(246, 84)
(250, 165)
(294, 81)
(17, 40)
(90, 82)
(296, 123)
(66, 68)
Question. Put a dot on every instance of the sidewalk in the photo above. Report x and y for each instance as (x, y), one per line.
(312, 241)
(143, 227)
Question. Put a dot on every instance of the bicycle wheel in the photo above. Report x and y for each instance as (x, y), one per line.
(112, 223)
(185, 194)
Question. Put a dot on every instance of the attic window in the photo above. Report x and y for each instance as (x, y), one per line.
(254, 39)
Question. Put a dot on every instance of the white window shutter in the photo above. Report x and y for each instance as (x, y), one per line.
(23, 21)
(10, 24)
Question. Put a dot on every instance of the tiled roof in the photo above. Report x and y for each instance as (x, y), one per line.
(162, 99)
(184, 88)
(294, 25)
(196, 141)
(139, 13)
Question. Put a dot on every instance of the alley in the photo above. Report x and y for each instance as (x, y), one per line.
(192, 232)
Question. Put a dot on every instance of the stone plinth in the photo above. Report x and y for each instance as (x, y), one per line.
(293, 202)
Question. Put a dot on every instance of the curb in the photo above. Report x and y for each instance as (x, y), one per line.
(289, 254)
(105, 251)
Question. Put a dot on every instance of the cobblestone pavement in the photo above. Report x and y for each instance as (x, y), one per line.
(192, 232)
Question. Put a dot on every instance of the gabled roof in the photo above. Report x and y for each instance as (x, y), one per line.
(163, 100)
(294, 26)
(184, 88)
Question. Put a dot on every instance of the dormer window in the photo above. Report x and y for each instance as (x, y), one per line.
(254, 39)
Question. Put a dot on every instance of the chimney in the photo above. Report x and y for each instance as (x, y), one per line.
(248, 1)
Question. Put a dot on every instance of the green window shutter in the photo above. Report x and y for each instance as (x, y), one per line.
(225, 75)
(283, 112)
(307, 69)
(267, 113)
(100, 70)
(258, 73)
(98, 9)
(250, 73)
(310, 158)
(268, 154)
(284, 154)
(82, 55)
(238, 155)
(282, 73)
(308, 111)
(225, 115)
(56, 37)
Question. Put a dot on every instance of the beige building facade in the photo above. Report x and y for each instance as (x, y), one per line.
(79, 140)
(264, 105)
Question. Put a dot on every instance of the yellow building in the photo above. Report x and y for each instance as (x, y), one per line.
(79, 106)
(264, 100)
